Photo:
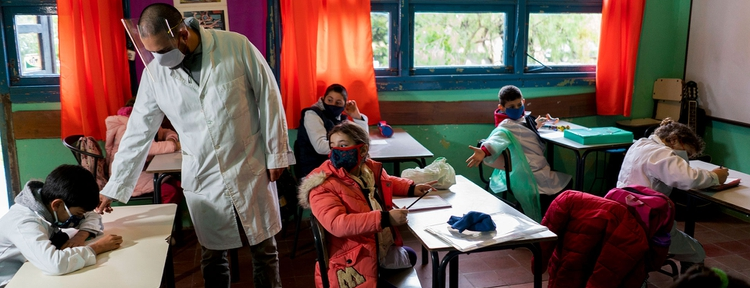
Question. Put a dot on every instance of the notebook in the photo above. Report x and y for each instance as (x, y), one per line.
(731, 182)
(427, 202)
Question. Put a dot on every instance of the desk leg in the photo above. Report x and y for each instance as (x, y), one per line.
(450, 259)
(435, 269)
(537, 253)
(397, 168)
(580, 169)
(690, 218)
(422, 162)
(168, 276)
(453, 274)
(157, 186)
(551, 154)
(424, 255)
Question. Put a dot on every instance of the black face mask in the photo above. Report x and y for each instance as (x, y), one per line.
(335, 111)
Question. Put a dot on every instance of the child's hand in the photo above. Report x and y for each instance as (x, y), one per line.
(352, 110)
(77, 240)
(423, 188)
(540, 121)
(723, 173)
(107, 243)
(476, 158)
(398, 217)
(177, 146)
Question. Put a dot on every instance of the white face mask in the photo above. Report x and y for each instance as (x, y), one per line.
(170, 59)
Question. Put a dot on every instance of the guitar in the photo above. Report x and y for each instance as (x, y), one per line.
(690, 105)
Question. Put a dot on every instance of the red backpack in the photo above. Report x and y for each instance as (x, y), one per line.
(655, 212)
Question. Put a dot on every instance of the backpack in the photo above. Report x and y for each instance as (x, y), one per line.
(95, 165)
(655, 212)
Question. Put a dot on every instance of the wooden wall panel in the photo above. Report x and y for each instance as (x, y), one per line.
(36, 124)
(475, 112)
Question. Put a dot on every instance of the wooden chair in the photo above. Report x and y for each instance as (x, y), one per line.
(402, 278)
(71, 142)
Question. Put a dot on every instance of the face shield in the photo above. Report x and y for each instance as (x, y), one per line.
(156, 44)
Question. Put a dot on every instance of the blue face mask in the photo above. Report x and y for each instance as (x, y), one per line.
(515, 113)
(345, 157)
(72, 221)
(334, 110)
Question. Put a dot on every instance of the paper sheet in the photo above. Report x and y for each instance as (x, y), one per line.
(378, 142)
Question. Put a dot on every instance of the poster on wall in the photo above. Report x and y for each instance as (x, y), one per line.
(208, 18)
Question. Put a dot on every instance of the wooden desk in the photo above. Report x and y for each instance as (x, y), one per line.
(581, 150)
(400, 147)
(139, 262)
(737, 198)
(161, 166)
(466, 196)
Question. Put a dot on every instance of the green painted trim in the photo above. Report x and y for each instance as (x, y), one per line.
(36, 106)
(477, 94)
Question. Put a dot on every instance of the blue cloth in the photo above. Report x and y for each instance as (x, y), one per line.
(474, 221)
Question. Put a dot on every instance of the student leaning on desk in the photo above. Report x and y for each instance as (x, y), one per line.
(533, 181)
(31, 228)
(661, 163)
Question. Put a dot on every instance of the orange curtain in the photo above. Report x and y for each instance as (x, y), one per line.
(326, 42)
(618, 52)
(94, 73)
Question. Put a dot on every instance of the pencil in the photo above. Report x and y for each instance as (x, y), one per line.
(415, 201)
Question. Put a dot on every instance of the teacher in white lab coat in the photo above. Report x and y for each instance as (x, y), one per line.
(221, 97)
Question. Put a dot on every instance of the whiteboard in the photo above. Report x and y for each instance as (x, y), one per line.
(718, 57)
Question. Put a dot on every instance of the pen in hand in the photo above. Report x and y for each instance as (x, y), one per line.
(420, 197)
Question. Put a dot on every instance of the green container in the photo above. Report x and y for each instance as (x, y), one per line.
(599, 135)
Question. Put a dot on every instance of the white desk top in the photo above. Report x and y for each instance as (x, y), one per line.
(737, 197)
(400, 146)
(558, 137)
(464, 196)
(165, 163)
(139, 262)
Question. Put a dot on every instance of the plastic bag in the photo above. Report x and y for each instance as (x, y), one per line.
(439, 170)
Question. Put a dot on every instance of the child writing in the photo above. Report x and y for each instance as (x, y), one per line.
(534, 183)
(311, 147)
(166, 142)
(351, 196)
(31, 228)
(661, 163)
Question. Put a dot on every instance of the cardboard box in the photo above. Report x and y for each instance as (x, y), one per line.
(599, 135)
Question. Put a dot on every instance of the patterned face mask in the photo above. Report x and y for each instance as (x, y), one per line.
(72, 221)
(346, 157)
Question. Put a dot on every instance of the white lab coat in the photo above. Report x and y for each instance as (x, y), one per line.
(548, 182)
(26, 236)
(652, 164)
(232, 128)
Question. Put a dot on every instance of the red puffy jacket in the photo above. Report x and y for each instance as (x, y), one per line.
(600, 244)
(351, 225)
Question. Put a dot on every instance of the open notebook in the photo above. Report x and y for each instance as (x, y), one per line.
(427, 202)
(731, 182)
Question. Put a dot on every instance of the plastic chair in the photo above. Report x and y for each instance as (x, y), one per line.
(508, 169)
(71, 142)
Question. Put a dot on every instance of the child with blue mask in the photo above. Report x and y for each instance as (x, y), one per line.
(65, 200)
(351, 196)
(534, 183)
(311, 147)
(661, 162)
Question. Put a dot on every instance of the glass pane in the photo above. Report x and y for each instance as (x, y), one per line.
(563, 39)
(37, 45)
(459, 39)
(381, 38)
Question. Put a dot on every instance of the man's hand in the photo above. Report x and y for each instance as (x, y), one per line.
(476, 158)
(275, 174)
(104, 205)
(352, 110)
(78, 240)
(423, 188)
(106, 243)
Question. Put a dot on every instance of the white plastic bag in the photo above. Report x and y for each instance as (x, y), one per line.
(439, 170)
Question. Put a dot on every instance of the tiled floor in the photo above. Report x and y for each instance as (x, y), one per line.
(726, 240)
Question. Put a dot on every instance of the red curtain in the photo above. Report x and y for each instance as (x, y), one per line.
(326, 42)
(618, 52)
(94, 74)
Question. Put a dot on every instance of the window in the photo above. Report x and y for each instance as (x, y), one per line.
(444, 44)
(32, 43)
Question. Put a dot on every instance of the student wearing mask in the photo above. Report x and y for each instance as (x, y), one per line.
(660, 162)
(534, 183)
(311, 146)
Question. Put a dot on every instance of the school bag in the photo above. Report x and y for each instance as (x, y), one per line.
(95, 165)
(655, 212)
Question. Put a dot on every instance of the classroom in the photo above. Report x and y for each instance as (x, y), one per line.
(432, 81)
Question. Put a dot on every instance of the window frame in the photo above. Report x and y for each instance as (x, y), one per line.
(403, 75)
(14, 73)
